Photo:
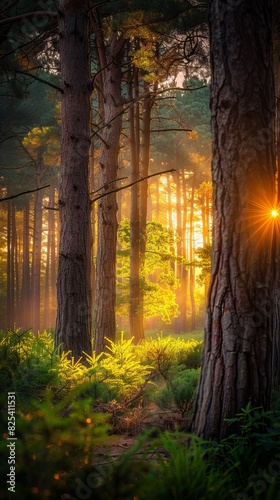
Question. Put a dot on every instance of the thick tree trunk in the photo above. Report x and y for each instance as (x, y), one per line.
(73, 326)
(237, 355)
(105, 322)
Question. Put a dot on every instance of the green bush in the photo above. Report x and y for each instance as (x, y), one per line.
(179, 393)
(166, 353)
(53, 439)
(28, 363)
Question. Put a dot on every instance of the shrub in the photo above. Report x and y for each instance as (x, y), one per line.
(53, 439)
(166, 353)
(179, 393)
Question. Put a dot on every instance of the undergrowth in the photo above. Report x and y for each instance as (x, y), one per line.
(64, 409)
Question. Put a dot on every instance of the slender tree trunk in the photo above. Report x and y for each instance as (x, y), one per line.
(37, 248)
(237, 354)
(25, 288)
(105, 322)
(184, 273)
(53, 261)
(15, 243)
(178, 328)
(73, 326)
(50, 247)
(135, 302)
(191, 254)
(10, 273)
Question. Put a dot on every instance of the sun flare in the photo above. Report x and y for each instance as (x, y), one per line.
(274, 213)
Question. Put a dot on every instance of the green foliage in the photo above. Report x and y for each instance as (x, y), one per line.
(172, 467)
(158, 279)
(53, 461)
(184, 472)
(181, 466)
(167, 353)
(27, 362)
(204, 255)
(47, 448)
(123, 369)
(179, 393)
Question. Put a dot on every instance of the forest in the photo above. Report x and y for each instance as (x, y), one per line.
(139, 244)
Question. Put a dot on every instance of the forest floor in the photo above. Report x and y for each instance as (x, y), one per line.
(152, 419)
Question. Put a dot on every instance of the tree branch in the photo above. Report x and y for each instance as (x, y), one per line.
(10, 20)
(107, 184)
(171, 130)
(132, 184)
(40, 80)
(23, 192)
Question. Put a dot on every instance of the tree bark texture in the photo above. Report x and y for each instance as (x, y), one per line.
(105, 322)
(73, 326)
(237, 355)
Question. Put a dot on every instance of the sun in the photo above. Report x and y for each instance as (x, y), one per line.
(274, 213)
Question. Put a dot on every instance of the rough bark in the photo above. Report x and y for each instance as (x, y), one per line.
(237, 355)
(105, 322)
(73, 326)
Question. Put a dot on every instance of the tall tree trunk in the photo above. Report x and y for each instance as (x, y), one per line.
(73, 326)
(184, 272)
(177, 179)
(135, 302)
(25, 287)
(15, 243)
(50, 272)
(191, 254)
(10, 270)
(105, 321)
(37, 248)
(237, 354)
(53, 260)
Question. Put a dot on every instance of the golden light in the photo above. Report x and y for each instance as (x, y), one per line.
(274, 213)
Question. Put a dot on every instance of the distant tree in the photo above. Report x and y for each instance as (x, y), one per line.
(157, 280)
(111, 109)
(237, 353)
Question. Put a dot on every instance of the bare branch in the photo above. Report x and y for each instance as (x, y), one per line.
(28, 15)
(23, 192)
(107, 184)
(132, 184)
(40, 80)
(171, 130)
